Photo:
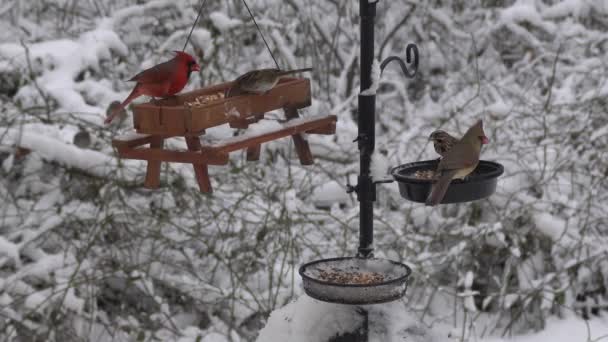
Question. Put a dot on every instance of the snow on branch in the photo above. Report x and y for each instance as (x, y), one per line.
(88, 161)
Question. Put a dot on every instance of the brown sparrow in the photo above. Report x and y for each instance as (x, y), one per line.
(82, 139)
(258, 81)
(115, 110)
(458, 162)
(442, 141)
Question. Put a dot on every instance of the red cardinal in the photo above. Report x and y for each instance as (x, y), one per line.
(162, 80)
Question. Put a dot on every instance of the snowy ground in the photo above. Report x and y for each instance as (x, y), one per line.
(308, 320)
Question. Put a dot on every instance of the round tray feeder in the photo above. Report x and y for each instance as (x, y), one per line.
(481, 183)
(354, 280)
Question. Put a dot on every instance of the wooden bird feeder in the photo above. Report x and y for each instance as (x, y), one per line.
(188, 115)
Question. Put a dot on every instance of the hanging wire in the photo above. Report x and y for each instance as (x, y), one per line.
(200, 10)
(261, 34)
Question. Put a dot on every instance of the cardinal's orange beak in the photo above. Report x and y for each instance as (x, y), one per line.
(196, 67)
(484, 140)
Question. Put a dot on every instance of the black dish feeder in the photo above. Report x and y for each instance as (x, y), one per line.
(391, 287)
(481, 183)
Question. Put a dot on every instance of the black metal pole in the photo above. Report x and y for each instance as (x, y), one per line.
(366, 189)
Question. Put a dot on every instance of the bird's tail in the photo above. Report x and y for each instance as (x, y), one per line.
(289, 72)
(134, 94)
(440, 187)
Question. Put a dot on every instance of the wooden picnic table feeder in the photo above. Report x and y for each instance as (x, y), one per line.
(189, 114)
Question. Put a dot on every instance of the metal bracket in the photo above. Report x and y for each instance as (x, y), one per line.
(384, 180)
(365, 253)
(350, 188)
(361, 139)
(411, 56)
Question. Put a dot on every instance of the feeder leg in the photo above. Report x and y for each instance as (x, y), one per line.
(253, 152)
(301, 144)
(153, 170)
(201, 171)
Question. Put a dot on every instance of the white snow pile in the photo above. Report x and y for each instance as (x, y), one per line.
(223, 22)
(328, 194)
(53, 149)
(310, 320)
(379, 166)
(56, 66)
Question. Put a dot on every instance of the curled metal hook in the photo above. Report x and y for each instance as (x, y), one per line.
(411, 56)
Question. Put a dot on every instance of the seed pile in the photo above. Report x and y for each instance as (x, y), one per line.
(342, 277)
(202, 100)
(425, 174)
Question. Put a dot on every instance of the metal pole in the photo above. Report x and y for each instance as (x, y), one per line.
(366, 189)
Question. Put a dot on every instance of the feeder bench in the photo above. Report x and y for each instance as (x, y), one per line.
(131, 146)
(189, 114)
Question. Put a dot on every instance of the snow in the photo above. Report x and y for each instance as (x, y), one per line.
(552, 226)
(600, 132)
(310, 320)
(94, 162)
(223, 22)
(375, 76)
(379, 167)
(263, 127)
(563, 330)
(10, 250)
(328, 194)
(525, 11)
(233, 112)
(285, 49)
(131, 135)
(61, 61)
(255, 129)
(124, 14)
(499, 109)
(576, 8)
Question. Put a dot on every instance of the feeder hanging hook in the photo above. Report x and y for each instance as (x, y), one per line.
(411, 56)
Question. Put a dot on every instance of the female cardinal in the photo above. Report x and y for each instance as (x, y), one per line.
(458, 162)
(442, 141)
(258, 81)
(162, 80)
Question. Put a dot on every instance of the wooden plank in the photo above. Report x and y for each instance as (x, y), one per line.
(161, 120)
(188, 157)
(201, 171)
(244, 141)
(253, 152)
(244, 123)
(324, 130)
(153, 169)
(301, 144)
(132, 139)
